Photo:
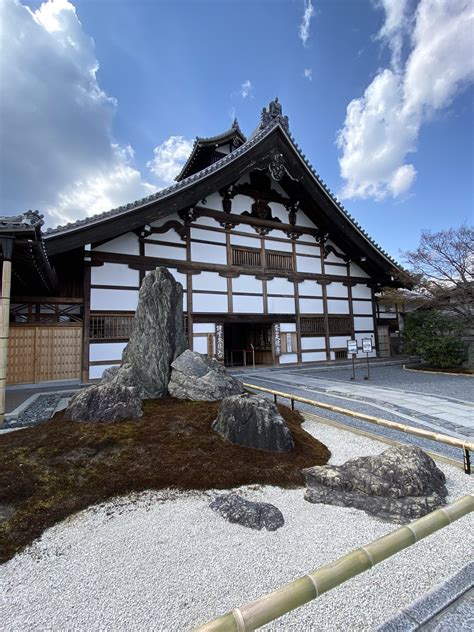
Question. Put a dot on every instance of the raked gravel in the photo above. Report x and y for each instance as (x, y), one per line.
(165, 561)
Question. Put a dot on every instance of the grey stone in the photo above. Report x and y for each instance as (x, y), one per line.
(401, 484)
(198, 378)
(109, 374)
(104, 402)
(247, 513)
(253, 422)
(157, 337)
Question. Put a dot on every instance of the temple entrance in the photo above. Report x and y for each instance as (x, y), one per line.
(245, 341)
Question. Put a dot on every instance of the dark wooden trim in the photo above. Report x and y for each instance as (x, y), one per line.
(361, 331)
(100, 341)
(208, 242)
(102, 362)
(52, 300)
(325, 304)
(189, 287)
(296, 293)
(210, 292)
(157, 242)
(86, 323)
(247, 294)
(351, 307)
(376, 333)
(115, 287)
(270, 295)
(220, 317)
(77, 324)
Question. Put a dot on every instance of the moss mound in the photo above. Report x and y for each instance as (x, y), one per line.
(53, 470)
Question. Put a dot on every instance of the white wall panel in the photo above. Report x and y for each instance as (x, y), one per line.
(336, 342)
(170, 237)
(242, 203)
(248, 242)
(308, 264)
(287, 328)
(114, 300)
(313, 342)
(95, 372)
(310, 288)
(303, 220)
(208, 235)
(208, 254)
(214, 201)
(357, 271)
(279, 246)
(106, 351)
(337, 270)
(363, 322)
(362, 307)
(204, 328)
(338, 307)
(306, 249)
(337, 290)
(179, 276)
(247, 283)
(359, 338)
(165, 252)
(208, 221)
(209, 281)
(314, 356)
(311, 306)
(361, 291)
(278, 210)
(125, 244)
(280, 285)
(278, 305)
(288, 358)
(200, 344)
(114, 274)
(247, 304)
(210, 303)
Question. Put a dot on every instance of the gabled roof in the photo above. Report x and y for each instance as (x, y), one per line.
(269, 140)
(201, 155)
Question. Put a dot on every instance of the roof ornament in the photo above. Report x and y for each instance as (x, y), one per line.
(274, 112)
(277, 166)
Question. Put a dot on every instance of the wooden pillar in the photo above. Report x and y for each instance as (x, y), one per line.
(7, 248)
(299, 355)
(376, 332)
(86, 322)
(325, 306)
(189, 288)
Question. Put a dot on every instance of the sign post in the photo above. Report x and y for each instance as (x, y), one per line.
(367, 348)
(352, 350)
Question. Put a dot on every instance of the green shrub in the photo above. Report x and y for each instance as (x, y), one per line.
(435, 338)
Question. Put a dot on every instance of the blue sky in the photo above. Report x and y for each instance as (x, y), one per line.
(105, 98)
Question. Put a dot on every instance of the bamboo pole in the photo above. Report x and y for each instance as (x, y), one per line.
(279, 602)
(4, 328)
(426, 434)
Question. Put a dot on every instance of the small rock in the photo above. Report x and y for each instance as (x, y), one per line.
(104, 402)
(198, 378)
(250, 514)
(253, 422)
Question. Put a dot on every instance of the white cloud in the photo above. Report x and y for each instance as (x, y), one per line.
(246, 89)
(381, 127)
(394, 27)
(308, 74)
(169, 157)
(58, 152)
(304, 30)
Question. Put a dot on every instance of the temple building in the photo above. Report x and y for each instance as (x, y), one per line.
(273, 267)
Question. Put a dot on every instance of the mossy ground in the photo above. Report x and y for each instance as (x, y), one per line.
(53, 470)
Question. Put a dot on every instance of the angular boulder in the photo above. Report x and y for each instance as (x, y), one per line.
(197, 378)
(247, 513)
(109, 374)
(400, 484)
(253, 422)
(104, 402)
(157, 337)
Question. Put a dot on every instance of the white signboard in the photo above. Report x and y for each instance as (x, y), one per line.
(352, 346)
(366, 345)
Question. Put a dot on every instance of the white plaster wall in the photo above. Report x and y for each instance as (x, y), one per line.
(208, 221)
(180, 277)
(313, 342)
(311, 306)
(207, 235)
(310, 288)
(336, 342)
(307, 249)
(246, 228)
(280, 234)
(247, 283)
(247, 304)
(280, 285)
(287, 328)
(303, 220)
(125, 244)
(363, 322)
(279, 305)
(337, 270)
(288, 358)
(278, 246)
(204, 328)
(359, 338)
(362, 307)
(114, 274)
(241, 203)
(114, 300)
(208, 254)
(314, 356)
(308, 264)
(165, 252)
(170, 237)
(332, 258)
(278, 210)
(248, 242)
(210, 303)
(95, 372)
(361, 291)
(209, 281)
(338, 307)
(200, 344)
(337, 290)
(106, 351)
(355, 270)
(214, 201)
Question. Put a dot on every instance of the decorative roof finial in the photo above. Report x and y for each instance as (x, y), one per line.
(274, 111)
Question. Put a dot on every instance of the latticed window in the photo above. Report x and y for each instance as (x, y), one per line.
(246, 257)
(279, 260)
(312, 326)
(339, 324)
(111, 326)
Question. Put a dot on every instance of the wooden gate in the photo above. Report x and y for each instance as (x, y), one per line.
(384, 341)
(44, 353)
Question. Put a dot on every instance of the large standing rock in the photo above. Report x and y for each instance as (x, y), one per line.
(401, 484)
(253, 422)
(250, 514)
(104, 402)
(198, 378)
(157, 336)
